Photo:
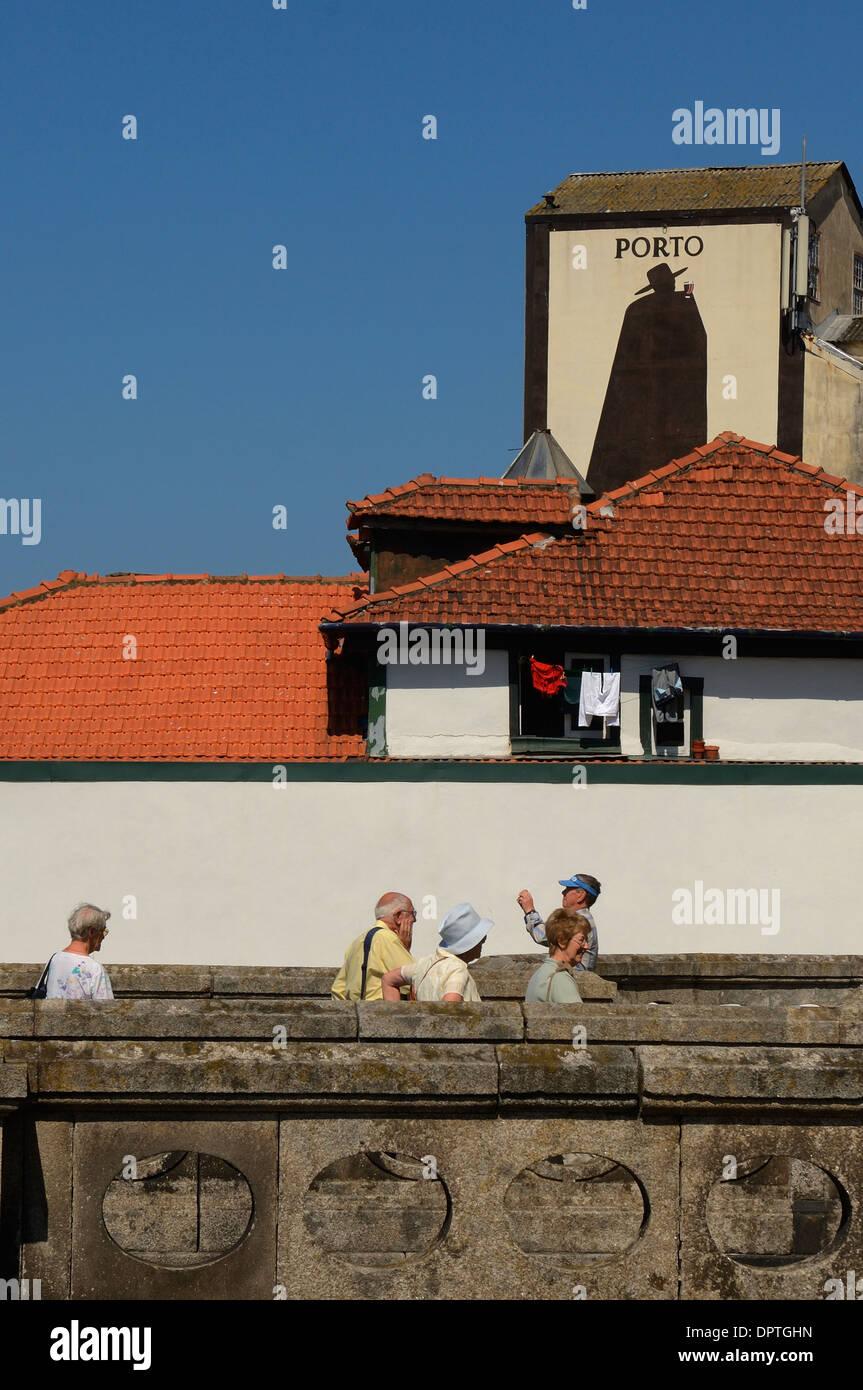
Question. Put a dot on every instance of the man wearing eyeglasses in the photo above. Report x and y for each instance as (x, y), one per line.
(385, 947)
(580, 892)
(73, 974)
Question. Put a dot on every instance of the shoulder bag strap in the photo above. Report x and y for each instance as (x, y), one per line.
(435, 962)
(39, 991)
(551, 979)
(367, 946)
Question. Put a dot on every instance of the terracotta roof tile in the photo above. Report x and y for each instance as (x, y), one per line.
(518, 501)
(226, 668)
(740, 543)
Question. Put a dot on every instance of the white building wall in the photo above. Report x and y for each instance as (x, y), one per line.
(252, 874)
(766, 708)
(772, 709)
(446, 712)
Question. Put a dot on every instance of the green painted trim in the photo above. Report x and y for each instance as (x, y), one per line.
(376, 738)
(645, 727)
(695, 686)
(562, 747)
(659, 771)
(514, 706)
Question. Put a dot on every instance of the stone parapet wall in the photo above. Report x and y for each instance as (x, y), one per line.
(285, 1144)
(678, 977)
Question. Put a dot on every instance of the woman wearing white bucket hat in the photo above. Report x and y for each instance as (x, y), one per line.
(444, 977)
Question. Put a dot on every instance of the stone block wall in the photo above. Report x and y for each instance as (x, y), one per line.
(217, 1134)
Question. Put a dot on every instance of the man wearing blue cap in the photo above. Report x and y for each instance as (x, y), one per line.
(580, 892)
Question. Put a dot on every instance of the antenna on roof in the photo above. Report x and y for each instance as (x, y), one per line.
(803, 177)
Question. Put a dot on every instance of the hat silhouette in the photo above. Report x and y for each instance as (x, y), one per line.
(661, 279)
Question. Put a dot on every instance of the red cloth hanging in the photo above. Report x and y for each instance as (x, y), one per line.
(548, 680)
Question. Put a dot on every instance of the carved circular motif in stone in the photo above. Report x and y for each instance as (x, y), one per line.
(177, 1210)
(771, 1211)
(570, 1210)
(377, 1210)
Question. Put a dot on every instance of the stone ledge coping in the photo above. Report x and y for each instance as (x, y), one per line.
(498, 977)
(693, 1078)
(268, 1020)
(477, 1077)
(732, 966)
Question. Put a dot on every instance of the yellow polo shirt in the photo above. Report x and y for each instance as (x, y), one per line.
(387, 953)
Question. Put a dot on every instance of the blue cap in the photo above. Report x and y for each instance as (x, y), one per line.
(576, 882)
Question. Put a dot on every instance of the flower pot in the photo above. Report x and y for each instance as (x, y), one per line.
(711, 752)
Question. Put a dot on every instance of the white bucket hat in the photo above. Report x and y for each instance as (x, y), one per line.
(462, 928)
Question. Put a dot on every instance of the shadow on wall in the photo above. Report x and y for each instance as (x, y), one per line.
(656, 401)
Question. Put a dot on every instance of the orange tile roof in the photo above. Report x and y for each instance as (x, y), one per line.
(731, 536)
(226, 669)
(522, 501)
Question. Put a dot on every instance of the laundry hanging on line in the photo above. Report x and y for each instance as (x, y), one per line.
(666, 690)
(546, 678)
(599, 697)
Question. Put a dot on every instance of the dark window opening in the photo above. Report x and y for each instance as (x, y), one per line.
(555, 717)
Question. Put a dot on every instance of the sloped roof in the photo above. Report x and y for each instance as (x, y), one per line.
(731, 536)
(687, 190)
(523, 501)
(842, 328)
(225, 669)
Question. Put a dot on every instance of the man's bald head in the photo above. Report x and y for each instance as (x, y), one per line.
(391, 903)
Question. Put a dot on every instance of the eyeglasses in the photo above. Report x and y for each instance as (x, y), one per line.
(100, 931)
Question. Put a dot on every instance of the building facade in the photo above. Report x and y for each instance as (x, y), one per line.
(242, 781)
(664, 307)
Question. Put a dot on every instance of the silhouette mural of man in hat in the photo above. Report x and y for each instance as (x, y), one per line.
(656, 401)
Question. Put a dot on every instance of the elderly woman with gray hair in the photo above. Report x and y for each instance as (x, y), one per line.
(72, 973)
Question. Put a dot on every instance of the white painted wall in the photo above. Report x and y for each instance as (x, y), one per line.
(444, 712)
(765, 708)
(754, 707)
(243, 873)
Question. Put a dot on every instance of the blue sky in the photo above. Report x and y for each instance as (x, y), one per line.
(303, 127)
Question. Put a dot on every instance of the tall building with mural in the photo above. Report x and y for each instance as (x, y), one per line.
(664, 307)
